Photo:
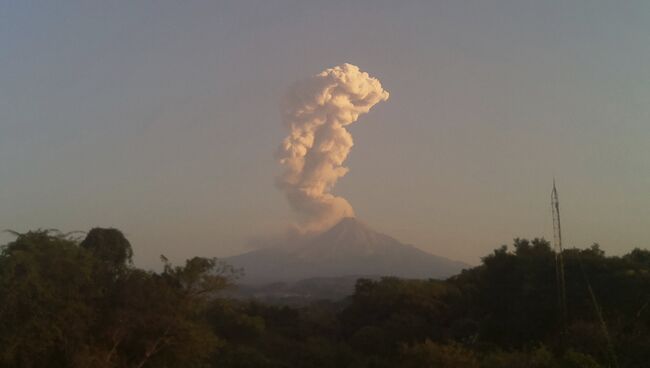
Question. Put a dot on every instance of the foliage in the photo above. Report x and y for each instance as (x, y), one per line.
(70, 303)
(65, 304)
(432, 355)
(110, 247)
(46, 295)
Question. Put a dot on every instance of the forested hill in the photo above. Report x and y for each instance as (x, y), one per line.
(68, 302)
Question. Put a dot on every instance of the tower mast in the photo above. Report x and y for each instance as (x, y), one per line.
(559, 259)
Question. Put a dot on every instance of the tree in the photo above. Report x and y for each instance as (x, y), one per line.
(110, 247)
(158, 320)
(64, 304)
(46, 296)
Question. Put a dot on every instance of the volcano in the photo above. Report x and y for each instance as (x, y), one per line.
(350, 248)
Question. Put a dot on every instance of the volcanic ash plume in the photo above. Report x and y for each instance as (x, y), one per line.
(317, 111)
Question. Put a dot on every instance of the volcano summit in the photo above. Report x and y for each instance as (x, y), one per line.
(349, 248)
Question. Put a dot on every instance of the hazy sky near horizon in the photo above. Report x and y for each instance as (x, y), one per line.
(161, 118)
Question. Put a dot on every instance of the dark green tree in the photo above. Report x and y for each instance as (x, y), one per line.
(47, 293)
(110, 247)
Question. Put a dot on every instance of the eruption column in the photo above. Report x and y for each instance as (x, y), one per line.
(316, 111)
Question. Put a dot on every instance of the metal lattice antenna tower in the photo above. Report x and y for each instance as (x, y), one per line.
(559, 259)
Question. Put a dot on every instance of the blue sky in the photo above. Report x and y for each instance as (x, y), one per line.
(161, 118)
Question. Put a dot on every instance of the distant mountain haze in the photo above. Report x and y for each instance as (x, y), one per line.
(348, 248)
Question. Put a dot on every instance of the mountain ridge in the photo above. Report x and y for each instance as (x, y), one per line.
(348, 248)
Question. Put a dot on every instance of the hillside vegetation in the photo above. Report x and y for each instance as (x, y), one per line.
(67, 302)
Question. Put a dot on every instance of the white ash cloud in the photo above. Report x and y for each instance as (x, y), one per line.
(316, 111)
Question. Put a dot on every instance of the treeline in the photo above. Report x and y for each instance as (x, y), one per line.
(67, 302)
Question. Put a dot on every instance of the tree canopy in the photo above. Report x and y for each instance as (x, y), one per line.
(66, 302)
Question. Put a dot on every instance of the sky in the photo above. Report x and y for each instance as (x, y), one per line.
(161, 118)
